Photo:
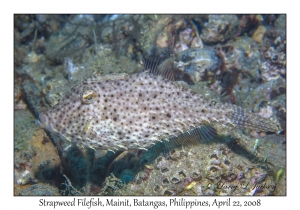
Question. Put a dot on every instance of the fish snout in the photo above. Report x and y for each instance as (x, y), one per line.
(43, 120)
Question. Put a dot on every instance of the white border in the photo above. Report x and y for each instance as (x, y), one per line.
(213, 6)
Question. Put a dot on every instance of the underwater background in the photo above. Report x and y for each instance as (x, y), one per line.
(238, 59)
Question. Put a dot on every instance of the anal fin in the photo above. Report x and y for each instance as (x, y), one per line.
(193, 136)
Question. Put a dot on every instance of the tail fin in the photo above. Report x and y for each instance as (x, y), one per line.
(245, 119)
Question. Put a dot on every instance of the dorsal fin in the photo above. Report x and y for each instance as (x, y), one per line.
(165, 67)
(160, 66)
(151, 64)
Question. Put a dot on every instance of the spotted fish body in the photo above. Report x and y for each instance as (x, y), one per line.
(122, 112)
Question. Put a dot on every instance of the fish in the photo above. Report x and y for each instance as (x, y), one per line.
(119, 112)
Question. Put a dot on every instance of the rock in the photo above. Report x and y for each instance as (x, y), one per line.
(40, 190)
(219, 28)
(196, 62)
(127, 175)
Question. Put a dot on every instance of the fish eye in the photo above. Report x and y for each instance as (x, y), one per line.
(88, 96)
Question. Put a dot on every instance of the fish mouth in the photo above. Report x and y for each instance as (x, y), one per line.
(42, 120)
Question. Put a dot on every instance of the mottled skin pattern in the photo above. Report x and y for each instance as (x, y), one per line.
(120, 112)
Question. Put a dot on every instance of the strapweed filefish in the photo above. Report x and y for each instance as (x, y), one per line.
(123, 112)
